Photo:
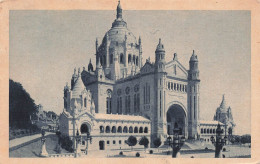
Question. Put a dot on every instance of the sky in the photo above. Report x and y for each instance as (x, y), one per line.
(46, 46)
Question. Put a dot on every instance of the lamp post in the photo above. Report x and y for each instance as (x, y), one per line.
(176, 142)
(77, 151)
(218, 142)
(88, 138)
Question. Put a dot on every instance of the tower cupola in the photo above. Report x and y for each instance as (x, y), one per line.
(159, 52)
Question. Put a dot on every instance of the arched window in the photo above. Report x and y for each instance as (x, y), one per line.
(171, 85)
(107, 129)
(129, 58)
(134, 59)
(119, 129)
(208, 131)
(136, 130)
(130, 129)
(85, 102)
(205, 130)
(113, 129)
(213, 130)
(141, 130)
(145, 130)
(121, 58)
(109, 101)
(175, 86)
(125, 130)
(136, 62)
(201, 131)
(111, 59)
(104, 60)
(101, 129)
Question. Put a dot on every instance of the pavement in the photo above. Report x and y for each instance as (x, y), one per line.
(26, 139)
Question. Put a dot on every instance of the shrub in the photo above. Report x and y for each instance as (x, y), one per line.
(137, 154)
(144, 141)
(224, 149)
(66, 143)
(131, 141)
(151, 151)
(157, 142)
(121, 153)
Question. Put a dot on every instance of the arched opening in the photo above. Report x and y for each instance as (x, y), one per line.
(141, 130)
(136, 130)
(213, 130)
(113, 129)
(205, 130)
(136, 60)
(84, 129)
(107, 129)
(176, 114)
(111, 59)
(201, 131)
(130, 129)
(208, 131)
(119, 129)
(129, 58)
(125, 130)
(101, 129)
(121, 58)
(145, 130)
(85, 102)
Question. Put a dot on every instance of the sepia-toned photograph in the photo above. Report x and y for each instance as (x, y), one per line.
(129, 83)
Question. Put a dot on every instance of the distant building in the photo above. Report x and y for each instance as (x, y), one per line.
(224, 115)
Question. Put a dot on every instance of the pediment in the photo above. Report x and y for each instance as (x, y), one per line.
(175, 69)
(147, 68)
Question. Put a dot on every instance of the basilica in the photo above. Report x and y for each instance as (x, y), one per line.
(125, 95)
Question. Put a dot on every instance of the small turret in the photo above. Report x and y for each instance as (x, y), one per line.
(90, 66)
(194, 69)
(160, 57)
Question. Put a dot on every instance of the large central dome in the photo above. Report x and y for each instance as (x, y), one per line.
(119, 53)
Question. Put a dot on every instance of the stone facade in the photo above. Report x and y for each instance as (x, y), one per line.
(154, 95)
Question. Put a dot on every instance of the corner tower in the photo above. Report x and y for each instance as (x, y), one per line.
(160, 78)
(193, 97)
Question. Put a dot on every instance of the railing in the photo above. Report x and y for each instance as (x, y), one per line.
(68, 155)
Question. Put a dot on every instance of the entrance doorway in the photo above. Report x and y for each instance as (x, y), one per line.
(176, 115)
(84, 129)
(101, 145)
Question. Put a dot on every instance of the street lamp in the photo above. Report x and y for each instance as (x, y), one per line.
(219, 142)
(88, 138)
(176, 142)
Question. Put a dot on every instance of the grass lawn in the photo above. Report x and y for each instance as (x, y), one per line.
(32, 150)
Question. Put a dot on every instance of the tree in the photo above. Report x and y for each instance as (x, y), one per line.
(21, 106)
(144, 141)
(131, 141)
(157, 142)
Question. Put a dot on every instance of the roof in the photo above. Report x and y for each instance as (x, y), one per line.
(100, 116)
(210, 122)
(78, 88)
